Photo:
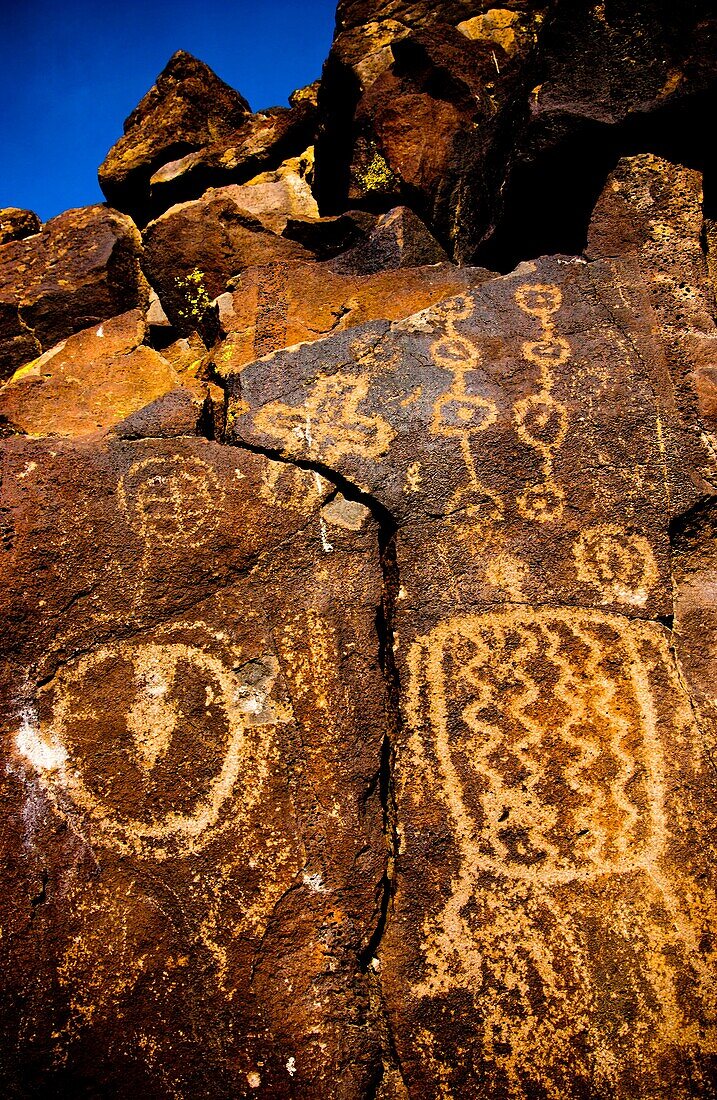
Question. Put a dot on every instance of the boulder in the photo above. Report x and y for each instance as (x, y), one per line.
(326, 237)
(16, 224)
(554, 795)
(193, 251)
(186, 109)
(399, 239)
(82, 268)
(92, 381)
(477, 119)
(651, 211)
(263, 142)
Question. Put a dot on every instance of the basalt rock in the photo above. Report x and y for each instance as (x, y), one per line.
(358, 607)
(476, 116)
(193, 251)
(81, 269)
(92, 381)
(399, 239)
(186, 108)
(192, 825)
(278, 305)
(554, 795)
(651, 210)
(262, 143)
(16, 224)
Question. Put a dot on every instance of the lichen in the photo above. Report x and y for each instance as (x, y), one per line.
(377, 175)
(196, 298)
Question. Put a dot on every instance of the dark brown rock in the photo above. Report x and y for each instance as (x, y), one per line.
(478, 118)
(194, 712)
(554, 796)
(81, 269)
(261, 143)
(187, 108)
(16, 224)
(413, 109)
(651, 211)
(399, 239)
(193, 251)
(326, 237)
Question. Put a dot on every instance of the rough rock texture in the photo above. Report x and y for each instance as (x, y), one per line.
(652, 210)
(261, 143)
(192, 131)
(16, 224)
(278, 305)
(359, 613)
(92, 381)
(191, 797)
(82, 268)
(477, 115)
(186, 108)
(554, 795)
(193, 251)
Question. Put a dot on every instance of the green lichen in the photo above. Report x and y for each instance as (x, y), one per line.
(196, 298)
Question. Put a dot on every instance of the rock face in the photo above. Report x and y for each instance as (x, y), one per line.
(359, 616)
(552, 786)
(81, 269)
(476, 116)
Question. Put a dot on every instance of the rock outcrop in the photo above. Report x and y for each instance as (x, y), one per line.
(359, 530)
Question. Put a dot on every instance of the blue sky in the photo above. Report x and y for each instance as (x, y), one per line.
(72, 71)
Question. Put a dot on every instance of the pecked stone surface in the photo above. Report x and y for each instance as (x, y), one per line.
(82, 268)
(550, 932)
(651, 210)
(194, 714)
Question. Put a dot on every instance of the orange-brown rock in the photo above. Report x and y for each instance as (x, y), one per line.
(94, 380)
(79, 270)
(263, 142)
(16, 224)
(278, 305)
(359, 618)
(193, 251)
(194, 712)
(554, 794)
(187, 107)
(476, 116)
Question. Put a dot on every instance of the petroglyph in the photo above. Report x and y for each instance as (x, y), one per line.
(184, 735)
(460, 414)
(539, 731)
(540, 420)
(508, 574)
(330, 423)
(286, 486)
(618, 563)
(170, 499)
(508, 681)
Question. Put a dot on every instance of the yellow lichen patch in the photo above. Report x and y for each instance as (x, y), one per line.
(196, 298)
(377, 175)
